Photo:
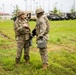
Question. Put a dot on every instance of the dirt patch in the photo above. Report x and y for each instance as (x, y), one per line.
(57, 47)
(51, 46)
(69, 39)
(6, 47)
(4, 35)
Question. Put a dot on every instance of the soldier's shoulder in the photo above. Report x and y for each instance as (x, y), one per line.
(16, 21)
(41, 19)
(26, 20)
(45, 17)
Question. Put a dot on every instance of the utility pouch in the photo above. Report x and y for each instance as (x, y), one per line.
(41, 43)
(30, 42)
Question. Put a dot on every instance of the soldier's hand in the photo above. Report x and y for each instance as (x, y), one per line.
(26, 26)
(34, 32)
(31, 37)
(40, 37)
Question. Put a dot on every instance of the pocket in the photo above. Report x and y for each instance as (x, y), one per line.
(19, 38)
(27, 36)
(26, 31)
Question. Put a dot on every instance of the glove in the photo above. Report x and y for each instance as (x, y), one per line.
(34, 32)
(26, 26)
(40, 37)
(31, 36)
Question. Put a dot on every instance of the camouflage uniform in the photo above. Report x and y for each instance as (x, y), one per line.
(41, 31)
(22, 38)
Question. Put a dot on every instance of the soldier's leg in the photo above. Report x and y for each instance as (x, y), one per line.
(44, 57)
(20, 45)
(26, 51)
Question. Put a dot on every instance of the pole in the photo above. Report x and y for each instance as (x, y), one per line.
(56, 4)
(3, 8)
(48, 6)
(11, 8)
(25, 5)
(39, 3)
(30, 5)
(74, 5)
(44, 5)
(62, 8)
(0, 9)
(33, 5)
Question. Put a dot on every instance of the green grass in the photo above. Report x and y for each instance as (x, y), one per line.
(6, 27)
(62, 62)
(63, 33)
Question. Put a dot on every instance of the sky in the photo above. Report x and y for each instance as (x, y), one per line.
(8, 6)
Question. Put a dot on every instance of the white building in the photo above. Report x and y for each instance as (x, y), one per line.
(5, 16)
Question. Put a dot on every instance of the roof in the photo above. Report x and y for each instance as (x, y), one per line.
(1, 13)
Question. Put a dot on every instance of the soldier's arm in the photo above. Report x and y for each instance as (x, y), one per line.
(26, 25)
(42, 27)
(18, 27)
(48, 24)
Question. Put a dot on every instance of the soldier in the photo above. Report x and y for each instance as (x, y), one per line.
(22, 32)
(42, 29)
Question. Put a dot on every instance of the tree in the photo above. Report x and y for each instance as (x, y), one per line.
(15, 10)
(55, 10)
(72, 10)
(59, 12)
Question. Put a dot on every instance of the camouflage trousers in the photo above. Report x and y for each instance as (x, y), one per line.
(21, 43)
(44, 56)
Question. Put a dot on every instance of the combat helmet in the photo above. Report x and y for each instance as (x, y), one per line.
(19, 13)
(39, 10)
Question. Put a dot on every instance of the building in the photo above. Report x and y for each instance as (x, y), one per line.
(5, 16)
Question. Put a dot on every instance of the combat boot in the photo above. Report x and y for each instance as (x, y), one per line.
(27, 62)
(45, 65)
(17, 60)
(26, 59)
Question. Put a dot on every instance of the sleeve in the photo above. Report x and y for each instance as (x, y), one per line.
(48, 24)
(18, 27)
(42, 27)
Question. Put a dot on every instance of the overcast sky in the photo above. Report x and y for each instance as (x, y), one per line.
(62, 5)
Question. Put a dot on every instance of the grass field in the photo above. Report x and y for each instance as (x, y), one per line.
(61, 50)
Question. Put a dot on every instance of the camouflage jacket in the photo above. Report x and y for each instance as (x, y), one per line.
(20, 30)
(41, 27)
